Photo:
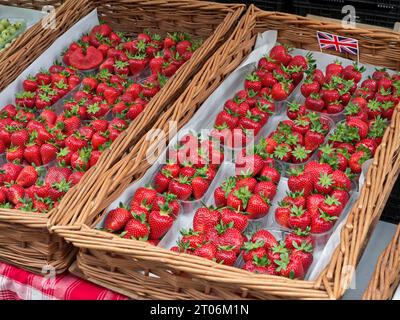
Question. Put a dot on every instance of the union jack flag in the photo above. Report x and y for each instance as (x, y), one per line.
(338, 43)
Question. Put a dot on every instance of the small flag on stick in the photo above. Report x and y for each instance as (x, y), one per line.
(341, 44)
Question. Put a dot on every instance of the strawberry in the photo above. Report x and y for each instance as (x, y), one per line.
(190, 240)
(282, 214)
(238, 219)
(10, 171)
(160, 221)
(27, 177)
(290, 268)
(90, 59)
(252, 82)
(298, 236)
(300, 181)
(181, 187)
(266, 238)
(331, 206)
(360, 125)
(229, 236)
(309, 86)
(341, 195)
(249, 165)
(357, 159)
(314, 102)
(321, 223)
(75, 177)
(205, 219)
(15, 193)
(221, 193)
(324, 183)
(295, 110)
(295, 199)
(266, 189)
(207, 251)
(313, 203)
(303, 253)
(253, 249)
(299, 218)
(225, 255)
(269, 173)
(258, 206)
(280, 91)
(199, 186)
(239, 198)
(260, 265)
(145, 195)
(48, 153)
(136, 228)
(280, 54)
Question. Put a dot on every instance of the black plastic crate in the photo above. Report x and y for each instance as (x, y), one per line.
(391, 213)
(271, 5)
(381, 13)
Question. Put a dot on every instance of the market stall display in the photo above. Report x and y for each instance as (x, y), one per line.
(385, 279)
(140, 269)
(72, 110)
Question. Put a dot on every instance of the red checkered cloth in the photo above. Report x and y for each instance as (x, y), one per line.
(18, 284)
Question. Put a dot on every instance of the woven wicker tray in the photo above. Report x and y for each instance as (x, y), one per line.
(145, 271)
(25, 240)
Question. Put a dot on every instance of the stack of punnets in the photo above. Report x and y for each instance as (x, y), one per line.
(386, 277)
(25, 240)
(142, 270)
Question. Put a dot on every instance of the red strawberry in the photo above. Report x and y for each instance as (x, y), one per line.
(282, 214)
(27, 177)
(340, 180)
(225, 255)
(253, 249)
(160, 221)
(15, 193)
(181, 187)
(222, 192)
(239, 198)
(258, 206)
(145, 196)
(299, 218)
(249, 165)
(207, 251)
(321, 223)
(313, 203)
(331, 206)
(265, 237)
(238, 219)
(324, 183)
(205, 219)
(290, 268)
(136, 228)
(269, 173)
(199, 186)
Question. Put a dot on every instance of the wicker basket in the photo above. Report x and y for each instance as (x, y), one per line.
(25, 241)
(140, 270)
(386, 277)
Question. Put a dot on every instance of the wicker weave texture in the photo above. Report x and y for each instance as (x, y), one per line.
(131, 265)
(386, 277)
(218, 20)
